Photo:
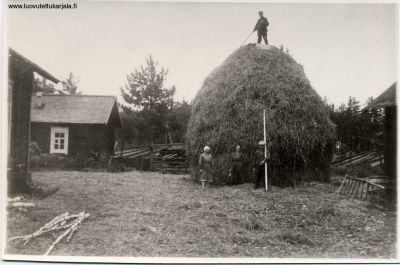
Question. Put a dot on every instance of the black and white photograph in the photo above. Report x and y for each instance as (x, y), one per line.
(194, 131)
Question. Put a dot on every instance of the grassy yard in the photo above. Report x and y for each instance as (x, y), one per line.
(149, 214)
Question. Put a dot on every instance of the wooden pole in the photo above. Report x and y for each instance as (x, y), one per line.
(265, 155)
(357, 189)
(170, 139)
(141, 164)
(348, 184)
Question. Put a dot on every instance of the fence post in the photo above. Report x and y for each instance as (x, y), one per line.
(354, 187)
(357, 189)
(348, 184)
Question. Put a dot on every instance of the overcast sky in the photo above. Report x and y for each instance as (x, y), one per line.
(346, 49)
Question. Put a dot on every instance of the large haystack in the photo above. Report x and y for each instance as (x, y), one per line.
(228, 110)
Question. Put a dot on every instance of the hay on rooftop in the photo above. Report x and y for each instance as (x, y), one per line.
(228, 110)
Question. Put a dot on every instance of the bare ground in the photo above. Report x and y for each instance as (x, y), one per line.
(149, 214)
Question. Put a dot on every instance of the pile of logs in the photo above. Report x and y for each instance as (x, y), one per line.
(65, 225)
(18, 204)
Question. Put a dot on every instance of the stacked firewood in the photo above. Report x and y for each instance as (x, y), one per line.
(19, 204)
(65, 225)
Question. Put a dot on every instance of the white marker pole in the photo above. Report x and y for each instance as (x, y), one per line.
(265, 155)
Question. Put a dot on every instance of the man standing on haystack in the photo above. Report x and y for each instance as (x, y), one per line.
(262, 28)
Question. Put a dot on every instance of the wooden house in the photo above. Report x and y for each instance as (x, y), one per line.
(20, 83)
(74, 124)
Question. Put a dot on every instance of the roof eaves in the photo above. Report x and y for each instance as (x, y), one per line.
(110, 111)
(34, 66)
(386, 99)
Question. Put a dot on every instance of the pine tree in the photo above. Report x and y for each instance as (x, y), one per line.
(70, 86)
(145, 95)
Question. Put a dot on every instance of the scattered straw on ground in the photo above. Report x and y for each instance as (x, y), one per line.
(148, 214)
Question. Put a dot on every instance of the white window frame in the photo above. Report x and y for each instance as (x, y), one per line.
(53, 131)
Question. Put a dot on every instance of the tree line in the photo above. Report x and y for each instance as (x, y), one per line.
(150, 114)
(357, 129)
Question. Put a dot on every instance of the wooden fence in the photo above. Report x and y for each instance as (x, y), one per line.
(165, 158)
(351, 159)
(173, 165)
(363, 189)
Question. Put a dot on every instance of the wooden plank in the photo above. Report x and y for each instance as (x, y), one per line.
(363, 160)
(346, 158)
(356, 189)
(354, 186)
(351, 182)
(155, 168)
(130, 153)
(366, 190)
(375, 185)
(171, 158)
(352, 160)
(137, 155)
(348, 185)
(174, 145)
(170, 169)
(173, 162)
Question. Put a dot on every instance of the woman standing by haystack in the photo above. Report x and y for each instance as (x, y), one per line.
(205, 166)
(236, 166)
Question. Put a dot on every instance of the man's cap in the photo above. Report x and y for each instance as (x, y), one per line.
(261, 143)
(260, 12)
(206, 148)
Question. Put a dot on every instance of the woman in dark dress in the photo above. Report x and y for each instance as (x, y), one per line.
(235, 171)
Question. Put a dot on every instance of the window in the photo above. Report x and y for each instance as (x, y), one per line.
(59, 140)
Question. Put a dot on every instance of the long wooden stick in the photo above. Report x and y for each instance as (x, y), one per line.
(57, 241)
(21, 205)
(248, 37)
(60, 222)
(41, 230)
(265, 155)
(76, 224)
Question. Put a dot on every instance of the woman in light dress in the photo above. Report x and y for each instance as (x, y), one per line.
(205, 166)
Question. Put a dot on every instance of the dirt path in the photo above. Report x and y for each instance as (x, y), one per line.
(135, 214)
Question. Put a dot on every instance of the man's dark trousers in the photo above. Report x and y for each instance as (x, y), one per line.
(260, 178)
(262, 34)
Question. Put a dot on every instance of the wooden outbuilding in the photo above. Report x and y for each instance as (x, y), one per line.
(387, 101)
(20, 83)
(74, 125)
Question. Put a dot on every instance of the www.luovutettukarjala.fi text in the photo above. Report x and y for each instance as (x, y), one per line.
(43, 6)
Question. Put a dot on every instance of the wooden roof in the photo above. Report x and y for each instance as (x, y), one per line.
(82, 109)
(386, 99)
(16, 57)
